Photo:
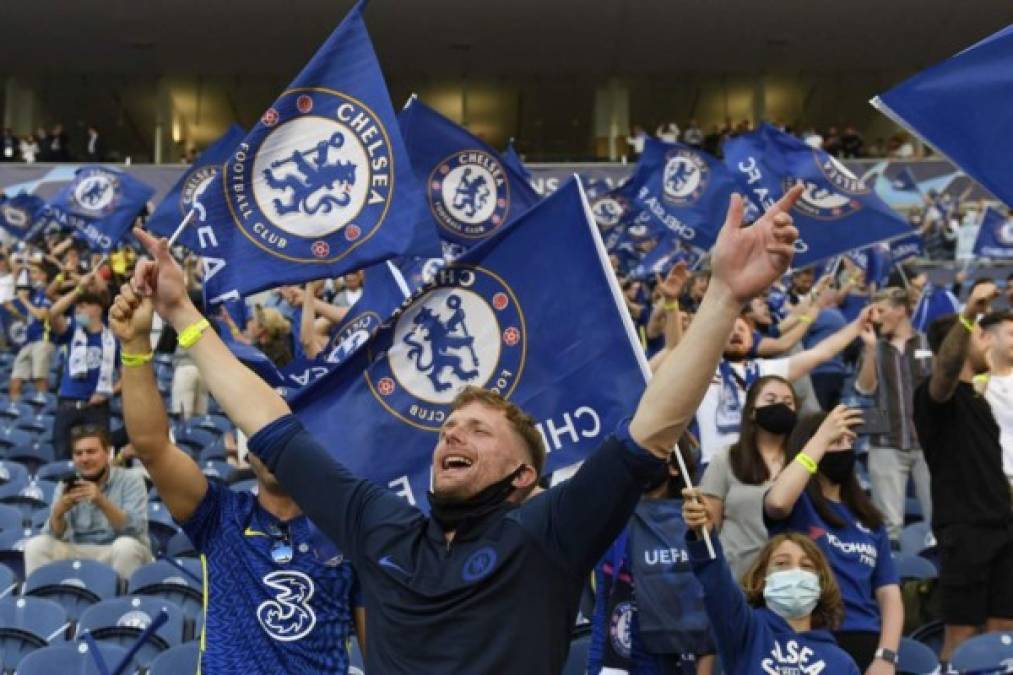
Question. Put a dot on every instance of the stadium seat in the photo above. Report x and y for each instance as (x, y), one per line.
(34, 496)
(10, 518)
(180, 546)
(70, 659)
(217, 470)
(179, 581)
(248, 485)
(916, 537)
(914, 567)
(8, 582)
(12, 548)
(180, 659)
(193, 440)
(214, 452)
(39, 519)
(41, 402)
(930, 635)
(11, 437)
(33, 456)
(216, 424)
(12, 473)
(27, 624)
(35, 423)
(161, 526)
(12, 411)
(56, 471)
(915, 658)
(986, 653)
(75, 584)
(120, 621)
(576, 662)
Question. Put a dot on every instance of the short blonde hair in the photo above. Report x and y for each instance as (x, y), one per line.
(520, 421)
(829, 611)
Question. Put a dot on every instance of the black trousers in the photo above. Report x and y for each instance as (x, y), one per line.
(860, 644)
(71, 413)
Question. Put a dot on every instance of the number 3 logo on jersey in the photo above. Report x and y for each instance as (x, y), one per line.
(289, 616)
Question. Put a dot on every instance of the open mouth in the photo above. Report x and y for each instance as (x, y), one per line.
(456, 463)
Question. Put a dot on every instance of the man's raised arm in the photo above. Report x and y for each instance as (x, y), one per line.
(745, 262)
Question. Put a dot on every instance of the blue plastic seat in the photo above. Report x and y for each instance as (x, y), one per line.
(35, 423)
(75, 584)
(161, 526)
(56, 471)
(11, 437)
(916, 658)
(914, 567)
(27, 624)
(10, 518)
(576, 661)
(180, 546)
(180, 659)
(34, 496)
(217, 470)
(916, 537)
(248, 485)
(178, 580)
(193, 440)
(70, 659)
(41, 402)
(214, 452)
(983, 653)
(216, 424)
(121, 621)
(12, 411)
(12, 549)
(33, 456)
(12, 473)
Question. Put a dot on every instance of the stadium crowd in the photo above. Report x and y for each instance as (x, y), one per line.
(854, 472)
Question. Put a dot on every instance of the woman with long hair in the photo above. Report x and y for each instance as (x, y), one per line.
(738, 476)
(648, 613)
(780, 620)
(818, 494)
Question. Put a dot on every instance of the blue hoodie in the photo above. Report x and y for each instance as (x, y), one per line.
(755, 641)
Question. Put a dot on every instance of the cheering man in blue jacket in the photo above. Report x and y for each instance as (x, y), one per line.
(489, 583)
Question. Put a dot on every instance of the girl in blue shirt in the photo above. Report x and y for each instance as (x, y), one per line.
(818, 494)
(781, 624)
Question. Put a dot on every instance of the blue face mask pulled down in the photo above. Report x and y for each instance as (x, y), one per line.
(792, 594)
(82, 320)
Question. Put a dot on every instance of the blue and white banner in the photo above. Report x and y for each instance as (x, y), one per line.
(936, 302)
(664, 257)
(181, 198)
(98, 206)
(513, 160)
(470, 190)
(20, 215)
(961, 107)
(320, 186)
(685, 190)
(487, 320)
(837, 212)
(905, 181)
(995, 236)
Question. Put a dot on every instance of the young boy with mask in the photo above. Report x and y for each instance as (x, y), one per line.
(791, 602)
(818, 494)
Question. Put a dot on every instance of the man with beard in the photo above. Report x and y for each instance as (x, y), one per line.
(720, 412)
(489, 582)
(100, 513)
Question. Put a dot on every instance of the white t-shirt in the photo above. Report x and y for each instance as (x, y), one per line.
(711, 439)
(999, 395)
(6, 288)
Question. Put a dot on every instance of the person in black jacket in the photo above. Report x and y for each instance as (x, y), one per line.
(489, 583)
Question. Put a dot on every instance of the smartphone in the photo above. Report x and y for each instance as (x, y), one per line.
(70, 482)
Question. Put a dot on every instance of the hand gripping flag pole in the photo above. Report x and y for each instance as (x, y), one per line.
(689, 483)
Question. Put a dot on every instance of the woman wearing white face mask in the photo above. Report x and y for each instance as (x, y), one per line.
(818, 494)
(791, 602)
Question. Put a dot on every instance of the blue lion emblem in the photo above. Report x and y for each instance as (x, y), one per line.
(314, 173)
(677, 180)
(607, 211)
(471, 193)
(93, 195)
(442, 337)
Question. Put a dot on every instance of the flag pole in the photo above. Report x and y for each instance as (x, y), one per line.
(182, 226)
(689, 483)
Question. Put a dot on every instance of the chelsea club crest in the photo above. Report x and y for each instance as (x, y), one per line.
(355, 333)
(608, 211)
(685, 177)
(466, 329)
(314, 179)
(1004, 233)
(469, 195)
(15, 217)
(194, 186)
(833, 201)
(95, 192)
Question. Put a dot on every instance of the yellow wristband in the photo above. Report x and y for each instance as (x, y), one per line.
(805, 318)
(189, 336)
(967, 323)
(135, 360)
(806, 461)
(671, 306)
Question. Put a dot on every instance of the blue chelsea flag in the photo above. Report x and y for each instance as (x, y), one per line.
(836, 213)
(685, 190)
(487, 320)
(995, 236)
(320, 186)
(936, 302)
(180, 199)
(961, 106)
(471, 192)
(99, 205)
(21, 215)
(512, 159)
